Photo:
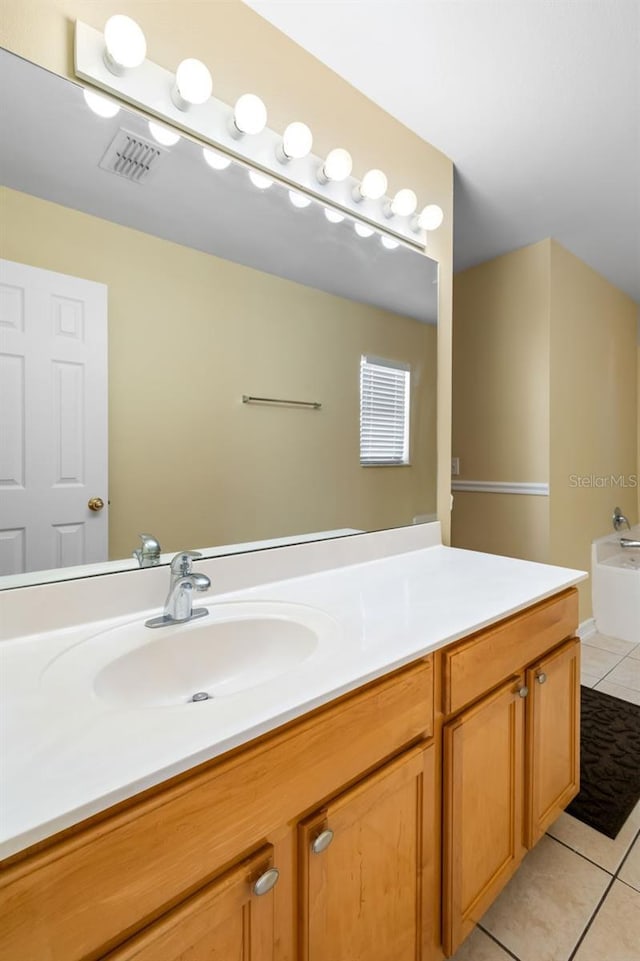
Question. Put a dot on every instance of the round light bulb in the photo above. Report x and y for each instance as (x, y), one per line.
(249, 114)
(298, 199)
(125, 44)
(193, 84)
(333, 216)
(430, 217)
(297, 141)
(373, 185)
(102, 106)
(389, 243)
(163, 134)
(216, 161)
(260, 180)
(337, 166)
(404, 203)
(363, 230)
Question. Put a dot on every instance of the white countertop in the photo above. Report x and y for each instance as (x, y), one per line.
(66, 758)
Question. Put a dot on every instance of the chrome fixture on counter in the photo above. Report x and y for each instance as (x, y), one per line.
(148, 554)
(178, 606)
(619, 520)
(629, 542)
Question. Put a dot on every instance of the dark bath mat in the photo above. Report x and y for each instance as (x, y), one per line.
(609, 761)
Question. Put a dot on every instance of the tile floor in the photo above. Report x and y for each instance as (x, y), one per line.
(576, 896)
(612, 666)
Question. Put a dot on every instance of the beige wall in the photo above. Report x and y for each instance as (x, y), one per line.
(594, 408)
(501, 400)
(515, 525)
(189, 334)
(246, 53)
(545, 378)
(501, 367)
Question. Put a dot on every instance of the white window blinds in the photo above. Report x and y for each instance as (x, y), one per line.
(384, 411)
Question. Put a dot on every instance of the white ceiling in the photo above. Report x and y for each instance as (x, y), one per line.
(537, 102)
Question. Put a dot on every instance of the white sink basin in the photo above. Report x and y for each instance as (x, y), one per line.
(238, 646)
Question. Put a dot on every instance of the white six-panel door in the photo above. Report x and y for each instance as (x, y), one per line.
(53, 419)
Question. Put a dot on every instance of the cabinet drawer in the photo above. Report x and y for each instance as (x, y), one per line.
(479, 663)
(84, 893)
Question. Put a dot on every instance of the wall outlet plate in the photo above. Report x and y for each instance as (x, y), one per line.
(455, 466)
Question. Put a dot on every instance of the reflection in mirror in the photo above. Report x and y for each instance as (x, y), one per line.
(200, 289)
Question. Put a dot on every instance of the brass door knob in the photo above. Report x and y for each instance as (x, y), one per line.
(95, 504)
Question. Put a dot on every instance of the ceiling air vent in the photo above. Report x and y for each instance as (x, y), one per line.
(131, 156)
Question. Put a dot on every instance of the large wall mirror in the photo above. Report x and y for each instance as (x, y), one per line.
(213, 289)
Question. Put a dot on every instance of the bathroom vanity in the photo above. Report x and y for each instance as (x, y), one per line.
(369, 803)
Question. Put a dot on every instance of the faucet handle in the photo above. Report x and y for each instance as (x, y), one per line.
(619, 520)
(182, 563)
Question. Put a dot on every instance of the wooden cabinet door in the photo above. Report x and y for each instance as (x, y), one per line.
(368, 895)
(483, 807)
(225, 921)
(553, 737)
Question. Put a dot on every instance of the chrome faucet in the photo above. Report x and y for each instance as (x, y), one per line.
(619, 520)
(178, 606)
(629, 542)
(148, 554)
(182, 564)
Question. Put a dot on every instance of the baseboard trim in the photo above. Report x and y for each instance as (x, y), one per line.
(587, 628)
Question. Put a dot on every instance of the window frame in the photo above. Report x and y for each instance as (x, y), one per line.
(370, 360)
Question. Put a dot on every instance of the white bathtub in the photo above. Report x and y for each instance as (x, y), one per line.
(616, 586)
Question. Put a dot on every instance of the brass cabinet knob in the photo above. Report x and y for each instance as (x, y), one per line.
(95, 504)
(266, 881)
(541, 677)
(322, 842)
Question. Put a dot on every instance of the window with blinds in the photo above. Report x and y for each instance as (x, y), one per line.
(384, 411)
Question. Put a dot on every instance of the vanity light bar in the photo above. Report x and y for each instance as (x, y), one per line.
(152, 89)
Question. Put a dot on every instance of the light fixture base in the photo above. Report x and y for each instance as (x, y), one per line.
(233, 130)
(113, 66)
(178, 100)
